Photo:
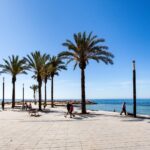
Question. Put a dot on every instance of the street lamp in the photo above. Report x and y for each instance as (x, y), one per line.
(23, 95)
(3, 103)
(134, 89)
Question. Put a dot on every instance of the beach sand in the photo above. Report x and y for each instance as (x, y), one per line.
(98, 130)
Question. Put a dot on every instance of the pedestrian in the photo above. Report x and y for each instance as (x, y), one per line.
(25, 105)
(71, 110)
(45, 105)
(123, 108)
(30, 106)
(68, 109)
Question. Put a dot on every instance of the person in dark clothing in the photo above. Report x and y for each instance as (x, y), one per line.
(25, 105)
(71, 110)
(44, 105)
(68, 109)
(30, 106)
(68, 106)
(123, 109)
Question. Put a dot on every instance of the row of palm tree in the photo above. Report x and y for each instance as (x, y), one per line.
(81, 50)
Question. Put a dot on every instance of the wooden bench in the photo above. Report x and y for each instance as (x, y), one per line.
(17, 107)
(33, 112)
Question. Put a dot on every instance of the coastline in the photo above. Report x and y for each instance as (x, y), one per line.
(56, 102)
(62, 105)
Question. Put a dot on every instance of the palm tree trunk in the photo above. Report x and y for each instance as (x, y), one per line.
(83, 102)
(13, 95)
(40, 100)
(45, 94)
(52, 87)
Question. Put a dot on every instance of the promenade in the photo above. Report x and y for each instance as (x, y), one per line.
(52, 131)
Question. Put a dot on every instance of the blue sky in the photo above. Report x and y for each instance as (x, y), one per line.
(28, 25)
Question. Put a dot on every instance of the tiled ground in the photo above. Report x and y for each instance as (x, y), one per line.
(52, 131)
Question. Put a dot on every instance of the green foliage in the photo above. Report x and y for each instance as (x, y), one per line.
(55, 65)
(36, 62)
(34, 87)
(14, 66)
(84, 48)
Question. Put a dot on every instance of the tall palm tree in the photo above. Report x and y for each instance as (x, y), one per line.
(34, 87)
(56, 65)
(84, 48)
(36, 62)
(45, 76)
(14, 66)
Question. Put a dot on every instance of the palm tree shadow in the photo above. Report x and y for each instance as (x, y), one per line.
(38, 115)
(46, 111)
(79, 116)
(50, 111)
(19, 110)
(133, 120)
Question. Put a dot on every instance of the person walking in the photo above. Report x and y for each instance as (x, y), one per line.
(30, 106)
(71, 110)
(123, 109)
(44, 105)
(25, 105)
(68, 109)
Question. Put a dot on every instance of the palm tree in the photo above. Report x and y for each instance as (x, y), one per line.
(84, 48)
(14, 66)
(34, 87)
(56, 65)
(36, 63)
(45, 76)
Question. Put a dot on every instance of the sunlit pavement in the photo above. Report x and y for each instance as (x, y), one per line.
(52, 131)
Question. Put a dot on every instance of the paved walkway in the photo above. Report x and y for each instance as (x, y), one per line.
(52, 131)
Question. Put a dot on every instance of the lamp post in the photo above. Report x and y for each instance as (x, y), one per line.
(3, 103)
(23, 95)
(134, 89)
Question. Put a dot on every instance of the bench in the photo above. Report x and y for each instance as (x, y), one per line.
(17, 107)
(33, 112)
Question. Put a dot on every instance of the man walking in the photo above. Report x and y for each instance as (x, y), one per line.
(68, 109)
(123, 109)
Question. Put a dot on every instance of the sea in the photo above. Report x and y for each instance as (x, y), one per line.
(143, 105)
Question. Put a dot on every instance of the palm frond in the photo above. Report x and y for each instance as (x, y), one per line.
(14, 66)
(86, 47)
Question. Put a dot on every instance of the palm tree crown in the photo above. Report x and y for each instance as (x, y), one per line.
(34, 87)
(36, 62)
(14, 66)
(84, 48)
(55, 65)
